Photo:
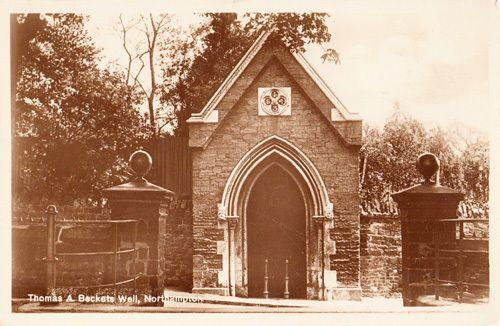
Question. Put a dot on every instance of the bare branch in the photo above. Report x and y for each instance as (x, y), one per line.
(151, 28)
(166, 123)
(162, 20)
(142, 66)
(146, 30)
(142, 87)
(124, 44)
(151, 20)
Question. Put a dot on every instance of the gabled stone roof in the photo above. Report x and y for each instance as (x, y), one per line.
(211, 105)
(309, 80)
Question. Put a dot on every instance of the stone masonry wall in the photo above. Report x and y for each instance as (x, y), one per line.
(240, 130)
(380, 255)
(179, 244)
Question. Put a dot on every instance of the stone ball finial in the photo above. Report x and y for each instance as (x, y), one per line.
(427, 165)
(140, 162)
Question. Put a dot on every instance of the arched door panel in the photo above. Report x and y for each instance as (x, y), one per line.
(276, 226)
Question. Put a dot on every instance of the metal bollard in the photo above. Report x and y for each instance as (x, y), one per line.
(115, 258)
(266, 280)
(287, 293)
(435, 235)
(51, 259)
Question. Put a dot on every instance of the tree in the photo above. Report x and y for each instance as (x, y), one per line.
(156, 34)
(23, 29)
(389, 154)
(386, 154)
(82, 121)
(224, 39)
(476, 168)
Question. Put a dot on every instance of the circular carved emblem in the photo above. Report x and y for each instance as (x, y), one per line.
(274, 102)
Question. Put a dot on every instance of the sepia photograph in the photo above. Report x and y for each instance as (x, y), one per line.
(215, 160)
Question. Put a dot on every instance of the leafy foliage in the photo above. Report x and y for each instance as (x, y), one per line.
(389, 156)
(81, 120)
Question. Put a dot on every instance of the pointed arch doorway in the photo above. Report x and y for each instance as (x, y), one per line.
(275, 166)
(276, 230)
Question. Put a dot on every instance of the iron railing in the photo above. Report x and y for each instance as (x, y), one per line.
(453, 250)
(53, 257)
(460, 253)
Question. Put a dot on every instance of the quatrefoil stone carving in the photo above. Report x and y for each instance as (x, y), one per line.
(274, 101)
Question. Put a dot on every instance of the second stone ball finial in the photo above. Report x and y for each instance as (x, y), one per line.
(427, 165)
(140, 162)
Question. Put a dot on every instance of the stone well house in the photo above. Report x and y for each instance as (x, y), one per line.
(275, 178)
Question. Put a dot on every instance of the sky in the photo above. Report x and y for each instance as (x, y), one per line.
(431, 60)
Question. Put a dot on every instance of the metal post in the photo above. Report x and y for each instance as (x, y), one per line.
(134, 261)
(115, 257)
(287, 293)
(51, 258)
(436, 261)
(460, 262)
(266, 279)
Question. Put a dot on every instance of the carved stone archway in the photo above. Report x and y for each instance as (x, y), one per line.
(232, 209)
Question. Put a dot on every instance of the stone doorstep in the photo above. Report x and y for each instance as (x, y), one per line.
(272, 302)
(229, 300)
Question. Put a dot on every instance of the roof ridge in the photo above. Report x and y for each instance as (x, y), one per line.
(205, 115)
(231, 77)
